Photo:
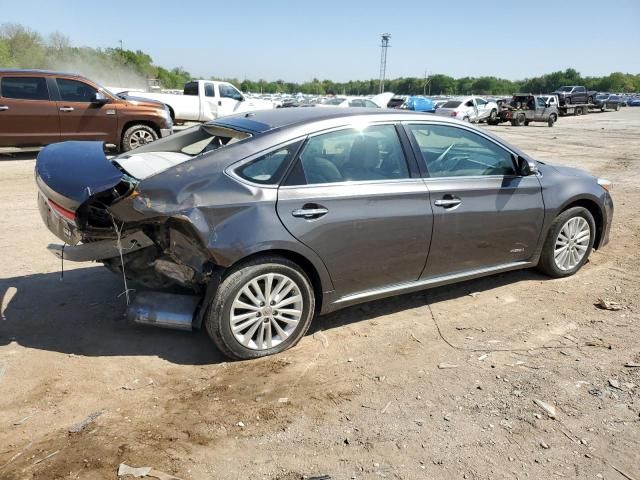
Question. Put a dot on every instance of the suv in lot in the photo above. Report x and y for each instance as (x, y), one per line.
(41, 107)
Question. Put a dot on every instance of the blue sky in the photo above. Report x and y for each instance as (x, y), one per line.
(339, 40)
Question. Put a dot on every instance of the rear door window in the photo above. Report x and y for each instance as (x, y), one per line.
(75, 91)
(24, 88)
(269, 168)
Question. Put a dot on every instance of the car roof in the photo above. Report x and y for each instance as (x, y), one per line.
(36, 72)
(262, 121)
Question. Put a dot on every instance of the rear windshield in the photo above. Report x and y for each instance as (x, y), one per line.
(451, 104)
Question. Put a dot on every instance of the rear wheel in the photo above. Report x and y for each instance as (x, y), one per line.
(569, 243)
(590, 100)
(617, 107)
(521, 119)
(552, 119)
(263, 307)
(137, 136)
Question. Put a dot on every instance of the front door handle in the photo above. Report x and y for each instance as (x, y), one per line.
(310, 212)
(67, 109)
(448, 202)
(3, 108)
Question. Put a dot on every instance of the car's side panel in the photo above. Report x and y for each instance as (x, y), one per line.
(373, 234)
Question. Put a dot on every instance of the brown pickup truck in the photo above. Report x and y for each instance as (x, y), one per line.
(41, 107)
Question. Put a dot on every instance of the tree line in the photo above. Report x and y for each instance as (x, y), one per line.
(21, 47)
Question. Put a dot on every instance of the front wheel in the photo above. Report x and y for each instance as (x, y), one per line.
(569, 243)
(137, 136)
(552, 120)
(262, 307)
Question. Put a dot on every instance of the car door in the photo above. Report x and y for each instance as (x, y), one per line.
(352, 198)
(541, 109)
(81, 118)
(229, 99)
(481, 106)
(28, 116)
(580, 94)
(210, 100)
(484, 214)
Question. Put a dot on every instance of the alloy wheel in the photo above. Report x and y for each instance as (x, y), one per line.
(266, 311)
(139, 138)
(572, 243)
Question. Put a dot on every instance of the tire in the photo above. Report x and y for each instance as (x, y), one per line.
(493, 116)
(577, 111)
(590, 100)
(138, 135)
(548, 264)
(231, 297)
(552, 120)
(521, 119)
(526, 123)
(493, 122)
(603, 108)
(617, 107)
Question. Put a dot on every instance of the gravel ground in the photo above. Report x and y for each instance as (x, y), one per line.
(511, 376)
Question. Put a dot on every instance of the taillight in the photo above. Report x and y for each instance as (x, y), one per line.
(453, 114)
(68, 214)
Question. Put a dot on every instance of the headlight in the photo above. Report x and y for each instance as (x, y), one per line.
(606, 184)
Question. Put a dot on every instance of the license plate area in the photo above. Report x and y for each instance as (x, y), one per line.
(61, 227)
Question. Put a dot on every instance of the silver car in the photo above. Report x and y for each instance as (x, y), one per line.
(254, 224)
(469, 109)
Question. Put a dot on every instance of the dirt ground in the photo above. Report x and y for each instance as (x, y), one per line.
(363, 395)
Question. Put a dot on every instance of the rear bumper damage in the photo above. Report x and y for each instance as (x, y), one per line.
(101, 250)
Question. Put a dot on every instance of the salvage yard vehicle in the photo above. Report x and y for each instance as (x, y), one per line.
(204, 100)
(606, 101)
(39, 107)
(573, 94)
(526, 108)
(469, 109)
(253, 224)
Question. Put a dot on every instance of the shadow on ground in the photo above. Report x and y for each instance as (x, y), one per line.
(83, 314)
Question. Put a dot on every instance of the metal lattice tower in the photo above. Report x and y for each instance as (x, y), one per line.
(384, 45)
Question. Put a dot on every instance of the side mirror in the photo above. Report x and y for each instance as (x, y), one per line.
(99, 98)
(526, 167)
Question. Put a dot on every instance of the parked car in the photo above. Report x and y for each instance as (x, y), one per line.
(526, 108)
(419, 104)
(378, 101)
(608, 101)
(39, 107)
(204, 100)
(573, 94)
(469, 109)
(634, 102)
(271, 219)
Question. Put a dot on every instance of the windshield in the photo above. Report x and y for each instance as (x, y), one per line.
(451, 104)
(565, 89)
(602, 97)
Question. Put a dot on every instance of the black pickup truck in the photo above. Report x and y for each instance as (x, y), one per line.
(574, 94)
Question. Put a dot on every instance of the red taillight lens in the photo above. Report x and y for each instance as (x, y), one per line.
(453, 114)
(68, 214)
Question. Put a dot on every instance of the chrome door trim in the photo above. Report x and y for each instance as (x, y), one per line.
(429, 282)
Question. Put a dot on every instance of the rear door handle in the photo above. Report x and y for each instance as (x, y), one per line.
(67, 109)
(3, 108)
(447, 202)
(310, 213)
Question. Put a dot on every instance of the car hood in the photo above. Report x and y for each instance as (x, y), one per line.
(142, 102)
(565, 171)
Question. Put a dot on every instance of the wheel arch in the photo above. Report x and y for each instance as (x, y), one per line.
(306, 265)
(595, 211)
(131, 123)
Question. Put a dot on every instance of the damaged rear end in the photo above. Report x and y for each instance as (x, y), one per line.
(95, 207)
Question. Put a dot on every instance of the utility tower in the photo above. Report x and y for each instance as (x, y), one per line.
(384, 45)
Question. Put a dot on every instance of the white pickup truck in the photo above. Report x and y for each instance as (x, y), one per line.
(204, 100)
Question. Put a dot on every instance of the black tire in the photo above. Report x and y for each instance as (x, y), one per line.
(493, 122)
(493, 116)
(521, 119)
(218, 319)
(617, 107)
(547, 262)
(552, 120)
(577, 111)
(137, 135)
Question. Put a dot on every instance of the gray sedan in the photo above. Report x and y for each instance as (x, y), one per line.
(254, 224)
